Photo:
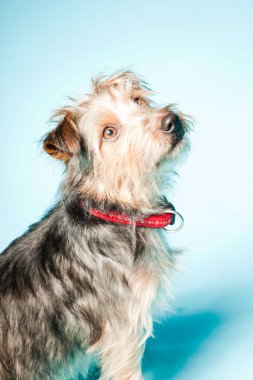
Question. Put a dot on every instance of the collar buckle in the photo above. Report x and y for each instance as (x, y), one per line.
(181, 219)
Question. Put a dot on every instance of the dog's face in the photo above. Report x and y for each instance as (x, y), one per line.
(122, 135)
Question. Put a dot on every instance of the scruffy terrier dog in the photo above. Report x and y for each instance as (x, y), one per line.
(85, 276)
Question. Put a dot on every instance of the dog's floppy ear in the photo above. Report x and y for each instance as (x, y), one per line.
(64, 141)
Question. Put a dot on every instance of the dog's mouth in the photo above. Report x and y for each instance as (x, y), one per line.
(177, 138)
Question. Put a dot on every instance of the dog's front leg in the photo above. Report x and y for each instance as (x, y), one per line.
(122, 361)
(120, 356)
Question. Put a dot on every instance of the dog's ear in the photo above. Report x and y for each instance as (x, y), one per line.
(64, 141)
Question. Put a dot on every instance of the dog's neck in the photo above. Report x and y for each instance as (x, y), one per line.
(86, 203)
(128, 197)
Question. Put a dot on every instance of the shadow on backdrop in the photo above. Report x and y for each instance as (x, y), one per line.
(177, 339)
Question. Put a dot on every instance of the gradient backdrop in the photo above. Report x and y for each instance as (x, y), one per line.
(197, 54)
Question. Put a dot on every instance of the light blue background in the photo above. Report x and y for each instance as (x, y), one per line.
(197, 54)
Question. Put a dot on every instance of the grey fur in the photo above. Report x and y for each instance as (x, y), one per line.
(58, 283)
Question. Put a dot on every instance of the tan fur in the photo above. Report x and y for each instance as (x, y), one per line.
(118, 175)
(63, 142)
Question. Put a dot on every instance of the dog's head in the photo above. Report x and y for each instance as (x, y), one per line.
(115, 139)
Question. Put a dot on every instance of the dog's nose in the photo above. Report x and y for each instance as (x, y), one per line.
(171, 124)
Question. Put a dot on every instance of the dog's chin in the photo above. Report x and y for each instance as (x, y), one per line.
(179, 149)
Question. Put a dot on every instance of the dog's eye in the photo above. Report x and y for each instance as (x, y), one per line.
(139, 101)
(109, 133)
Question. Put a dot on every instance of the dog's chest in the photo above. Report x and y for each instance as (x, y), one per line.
(150, 274)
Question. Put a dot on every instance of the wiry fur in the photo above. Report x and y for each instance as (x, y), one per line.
(73, 282)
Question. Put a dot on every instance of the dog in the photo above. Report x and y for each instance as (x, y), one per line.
(85, 277)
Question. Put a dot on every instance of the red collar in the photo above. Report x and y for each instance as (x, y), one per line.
(153, 221)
